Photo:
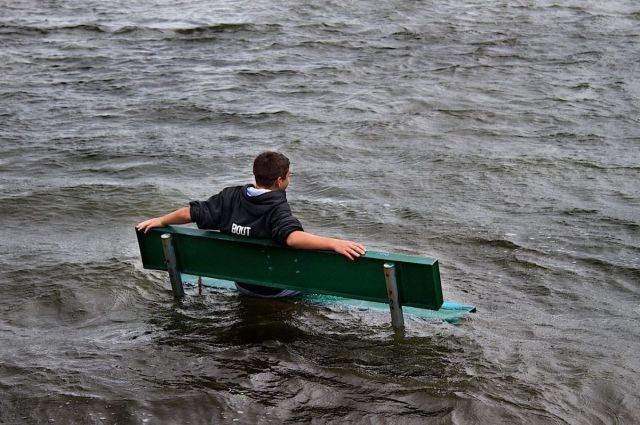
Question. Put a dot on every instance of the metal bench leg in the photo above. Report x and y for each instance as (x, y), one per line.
(397, 318)
(172, 266)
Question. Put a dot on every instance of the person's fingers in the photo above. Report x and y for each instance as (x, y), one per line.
(354, 254)
(146, 225)
(357, 248)
(360, 249)
(347, 254)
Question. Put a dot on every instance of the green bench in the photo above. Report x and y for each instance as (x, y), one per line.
(396, 279)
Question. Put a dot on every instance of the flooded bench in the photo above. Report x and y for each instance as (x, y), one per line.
(396, 279)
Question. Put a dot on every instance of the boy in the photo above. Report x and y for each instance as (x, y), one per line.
(259, 211)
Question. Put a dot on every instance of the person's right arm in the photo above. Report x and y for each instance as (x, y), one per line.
(303, 240)
(181, 216)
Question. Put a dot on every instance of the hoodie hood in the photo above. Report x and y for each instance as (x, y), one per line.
(264, 202)
(234, 212)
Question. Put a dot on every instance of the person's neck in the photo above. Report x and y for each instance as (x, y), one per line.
(257, 186)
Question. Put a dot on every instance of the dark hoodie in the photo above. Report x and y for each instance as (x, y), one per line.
(232, 211)
(263, 216)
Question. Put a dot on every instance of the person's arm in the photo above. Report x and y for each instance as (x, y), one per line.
(303, 240)
(181, 216)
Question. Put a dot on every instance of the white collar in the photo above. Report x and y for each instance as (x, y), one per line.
(256, 191)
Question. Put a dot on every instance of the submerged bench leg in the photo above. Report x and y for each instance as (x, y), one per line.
(397, 318)
(172, 266)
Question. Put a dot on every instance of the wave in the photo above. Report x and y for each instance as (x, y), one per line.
(59, 290)
(102, 202)
(579, 211)
(610, 267)
(623, 277)
(6, 29)
(82, 27)
(496, 243)
(26, 29)
(11, 29)
(510, 41)
(599, 166)
(576, 163)
(627, 224)
(406, 34)
(227, 27)
(579, 137)
(263, 73)
(195, 112)
(128, 29)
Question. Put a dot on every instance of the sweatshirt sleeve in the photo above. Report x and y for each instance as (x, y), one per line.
(283, 223)
(207, 214)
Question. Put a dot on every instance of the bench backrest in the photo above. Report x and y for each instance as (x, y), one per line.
(262, 262)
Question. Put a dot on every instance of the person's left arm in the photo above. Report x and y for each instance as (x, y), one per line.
(287, 230)
(304, 240)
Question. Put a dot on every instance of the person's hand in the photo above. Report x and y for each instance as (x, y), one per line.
(349, 249)
(147, 225)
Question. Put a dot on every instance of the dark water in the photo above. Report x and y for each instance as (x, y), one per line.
(500, 137)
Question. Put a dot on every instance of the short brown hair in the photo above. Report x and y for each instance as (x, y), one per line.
(268, 166)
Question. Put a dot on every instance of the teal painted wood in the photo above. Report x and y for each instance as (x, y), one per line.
(262, 262)
(450, 311)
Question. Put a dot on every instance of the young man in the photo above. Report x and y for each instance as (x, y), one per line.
(257, 211)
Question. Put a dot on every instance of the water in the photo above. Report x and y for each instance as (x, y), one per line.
(499, 137)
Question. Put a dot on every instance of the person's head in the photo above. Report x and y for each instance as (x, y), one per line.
(271, 170)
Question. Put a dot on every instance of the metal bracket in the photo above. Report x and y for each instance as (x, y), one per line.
(172, 266)
(397, 318)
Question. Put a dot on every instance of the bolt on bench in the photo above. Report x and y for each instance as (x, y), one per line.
(396, 279)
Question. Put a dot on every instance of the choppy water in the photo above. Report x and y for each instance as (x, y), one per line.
(500, 137)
